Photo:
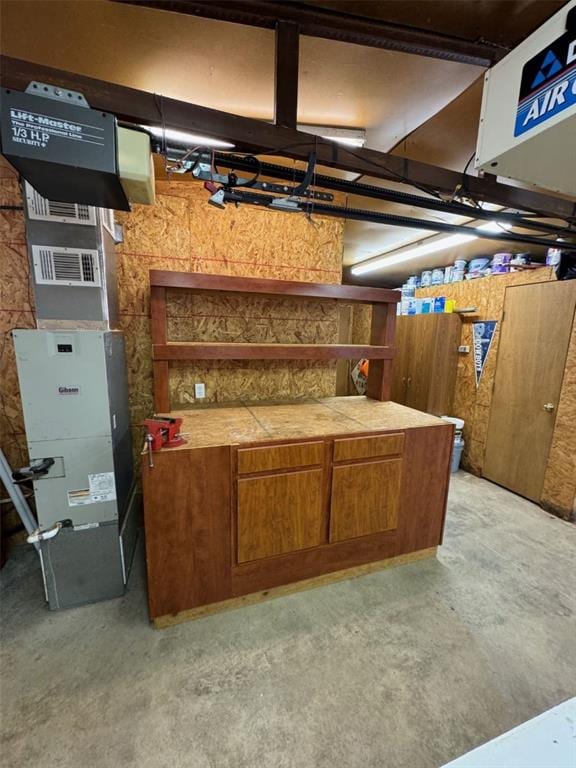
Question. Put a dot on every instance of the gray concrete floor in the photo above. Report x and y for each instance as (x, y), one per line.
(406, 668)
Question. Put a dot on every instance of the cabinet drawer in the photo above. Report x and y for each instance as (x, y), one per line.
(279, 513)
(368, 447)
(270, 457)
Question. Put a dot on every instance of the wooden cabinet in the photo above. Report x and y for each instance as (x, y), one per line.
(365, 498)
(424, 374)
(279, 513)
(226, 522)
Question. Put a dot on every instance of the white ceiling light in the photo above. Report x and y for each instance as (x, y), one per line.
(494, 226)
(351, 137)
(193, 139)
(433, 246)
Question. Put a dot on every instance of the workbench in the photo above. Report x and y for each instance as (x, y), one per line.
(267, 498)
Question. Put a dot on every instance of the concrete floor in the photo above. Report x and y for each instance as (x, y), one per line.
(407, 668)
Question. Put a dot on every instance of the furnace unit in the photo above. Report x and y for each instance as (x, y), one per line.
(73, 383)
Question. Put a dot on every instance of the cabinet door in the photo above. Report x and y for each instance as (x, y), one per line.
(365, 498)
(401, 360)
(421, 363)
(444, 369)
(279, 513)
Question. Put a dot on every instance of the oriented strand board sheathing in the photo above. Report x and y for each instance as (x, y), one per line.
(250, 319)
(244, 241)
(559, 492)
(361, 320)
(251, 380)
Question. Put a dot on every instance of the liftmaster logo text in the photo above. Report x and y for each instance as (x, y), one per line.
(548, 84)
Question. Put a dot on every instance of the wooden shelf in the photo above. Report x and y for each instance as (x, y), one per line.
(380, 350)
(226, 351)
(200, 282)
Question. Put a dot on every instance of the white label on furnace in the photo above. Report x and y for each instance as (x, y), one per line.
(86, 526)
(102, 487)
(79, 498)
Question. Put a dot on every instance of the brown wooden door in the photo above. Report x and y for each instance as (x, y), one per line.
(365, 498)
(530, 367)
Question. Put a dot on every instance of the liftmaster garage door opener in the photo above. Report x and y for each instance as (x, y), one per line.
(74, 154)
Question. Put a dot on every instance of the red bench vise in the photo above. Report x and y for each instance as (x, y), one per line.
(163, 432)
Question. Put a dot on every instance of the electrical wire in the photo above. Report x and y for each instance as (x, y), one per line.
(340, 148)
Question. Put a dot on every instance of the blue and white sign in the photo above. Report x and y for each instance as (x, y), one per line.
(548, 84)
(482, 336)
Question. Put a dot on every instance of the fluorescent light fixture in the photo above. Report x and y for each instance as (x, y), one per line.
(350, 137)
(186, 138)
(413, 253)
(427, 248)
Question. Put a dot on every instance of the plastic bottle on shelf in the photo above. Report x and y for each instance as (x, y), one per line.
(437, 277)
(426, 278)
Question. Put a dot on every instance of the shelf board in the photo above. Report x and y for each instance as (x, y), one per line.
(226, 351)
(249, 285)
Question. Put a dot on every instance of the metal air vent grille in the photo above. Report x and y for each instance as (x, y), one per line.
(40, 208)
(65, 266)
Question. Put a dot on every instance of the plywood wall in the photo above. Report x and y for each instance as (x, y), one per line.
(472, 403)
(182, 232)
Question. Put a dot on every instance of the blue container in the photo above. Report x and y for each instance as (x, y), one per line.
(439, 304)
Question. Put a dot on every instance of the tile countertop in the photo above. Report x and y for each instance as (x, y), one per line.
(265, 422)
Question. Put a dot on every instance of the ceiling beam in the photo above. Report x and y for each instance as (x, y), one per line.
(335, 25)
(259, 137)
(286, 74)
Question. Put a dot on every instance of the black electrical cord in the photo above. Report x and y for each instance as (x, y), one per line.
(463, 186)
(249, 182)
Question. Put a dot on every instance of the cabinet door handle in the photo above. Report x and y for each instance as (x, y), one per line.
(409, 380)
(549, 407)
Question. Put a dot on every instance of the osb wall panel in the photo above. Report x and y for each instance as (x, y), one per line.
(229, 318)
(472, 403)
(559, 493)
(182, 232)
(234, 318)
(361, 320)
(244, 380)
